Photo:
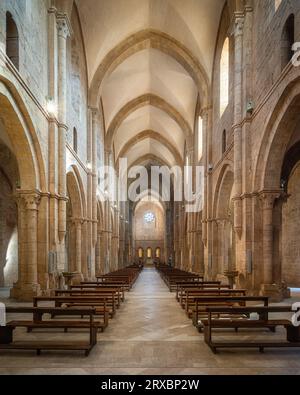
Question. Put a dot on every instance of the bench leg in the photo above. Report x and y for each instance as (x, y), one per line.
(213, 349)
(38, 352)
(261, 350)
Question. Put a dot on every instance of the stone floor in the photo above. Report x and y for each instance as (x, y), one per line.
(150, 335)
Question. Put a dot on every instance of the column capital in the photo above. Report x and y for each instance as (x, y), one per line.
(94, 111)
(64, 29)
(268, 198)
(239, 20)
(77, 221)
(30, 199)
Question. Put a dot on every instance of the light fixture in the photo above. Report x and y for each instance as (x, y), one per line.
(51, 106)
(89, 165)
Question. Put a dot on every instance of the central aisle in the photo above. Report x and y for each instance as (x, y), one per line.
(150, 313)
(151, 334)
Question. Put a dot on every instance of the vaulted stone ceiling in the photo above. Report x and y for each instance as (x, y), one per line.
(147, 61)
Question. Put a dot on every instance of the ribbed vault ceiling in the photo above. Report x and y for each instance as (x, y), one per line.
(149, 70)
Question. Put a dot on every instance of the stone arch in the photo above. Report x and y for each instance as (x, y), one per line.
(76, 212)
(147, 99)
(157, 40)
(149, 158)
(276, 136)
(224, 238)
(74, 194)
(23, 138)
(154, 135)
(225, 179)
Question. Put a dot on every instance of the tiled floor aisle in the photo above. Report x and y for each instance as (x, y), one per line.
(151, 335)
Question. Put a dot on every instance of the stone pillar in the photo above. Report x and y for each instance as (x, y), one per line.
(27, 285)
(78, 255)
(63, 33)
(205, 117)
(94, 114)
(98, 263)
(53, 133)
(237, 128)
(268, 287)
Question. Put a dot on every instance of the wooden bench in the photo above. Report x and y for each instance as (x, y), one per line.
(112, 295)
(112, 300)
(181, 286)
(38, 312)
(113, 284)
(100, 304)
(293, 333)
(188, 300)
(199, 313)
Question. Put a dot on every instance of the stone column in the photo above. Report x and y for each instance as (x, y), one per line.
(268, 287)
(94, 114)
(98, 268)
(78, 255)
(204, 208)
(27, 285)
(53, 131)
(237, 128)
(63, 33)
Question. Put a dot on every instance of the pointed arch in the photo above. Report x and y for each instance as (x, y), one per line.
(147, 99)
(150, 38)
(22, 135)
(153, 135)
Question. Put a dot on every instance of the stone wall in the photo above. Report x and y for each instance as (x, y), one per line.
(291, 231)
(149, 234)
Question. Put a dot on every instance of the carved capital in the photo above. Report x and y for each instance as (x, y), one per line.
(239, 25)
(77, 221)
(268, 199)
(63, 29)
(31, 201)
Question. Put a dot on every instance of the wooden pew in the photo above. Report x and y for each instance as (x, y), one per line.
(293, 333)
(117, 292)
(38, 312)
(99, 303)
(112, 284)
(181, 286)
(199, 312)
(188, 300)
(111, 297)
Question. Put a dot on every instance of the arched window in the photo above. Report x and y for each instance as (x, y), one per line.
(200, 138)
(75, 147)
(12, 40)
(149, 252)
(157, 252)
(224, 77)
(224, 142)
(140, 252)
(287, 41)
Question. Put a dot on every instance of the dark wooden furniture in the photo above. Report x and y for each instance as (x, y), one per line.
(38, 313)
(213, 323)
(99, 303)
(199, 313)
